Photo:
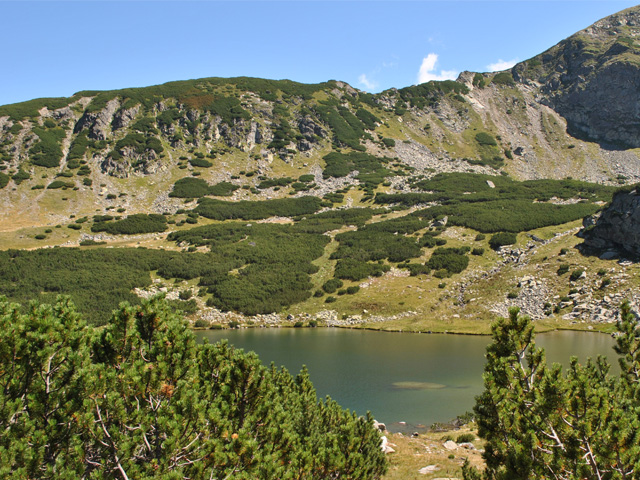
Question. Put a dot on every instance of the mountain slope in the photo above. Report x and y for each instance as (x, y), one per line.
(223, 152)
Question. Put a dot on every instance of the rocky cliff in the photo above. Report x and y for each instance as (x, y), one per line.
(592, 79)
(616, 228)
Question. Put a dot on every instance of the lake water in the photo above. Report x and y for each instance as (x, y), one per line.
(400, 377)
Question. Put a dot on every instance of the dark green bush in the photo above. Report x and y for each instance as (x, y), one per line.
(453, 260)
(132, 225)
(503, 78)
(502, 239)
(576, 274)
(330, 286)
(564, 268)
(465, 438)
(483, 138)
(200, 162)
(60, 184)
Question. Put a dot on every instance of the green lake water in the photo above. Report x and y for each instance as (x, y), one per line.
(413, 378)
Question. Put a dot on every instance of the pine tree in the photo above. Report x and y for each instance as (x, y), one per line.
(140, 399)
(541, 422)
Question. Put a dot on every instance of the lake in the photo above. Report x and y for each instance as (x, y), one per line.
(400, 377)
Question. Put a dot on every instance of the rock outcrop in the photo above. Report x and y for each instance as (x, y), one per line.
(617, 227)
(592, 79)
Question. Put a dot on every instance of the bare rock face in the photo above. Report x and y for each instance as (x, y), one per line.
(98, 123)
(592, 79)
(618, 226)
(123, 117)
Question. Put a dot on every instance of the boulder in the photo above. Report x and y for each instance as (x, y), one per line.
(450, 445)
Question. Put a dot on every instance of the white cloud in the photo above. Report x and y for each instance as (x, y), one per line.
(368, 84)
(501, 65)
(428, 67)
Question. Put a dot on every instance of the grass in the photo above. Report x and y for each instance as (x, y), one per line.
(413, 453)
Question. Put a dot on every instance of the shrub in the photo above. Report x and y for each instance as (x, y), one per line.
(512, 295)
(200, 162)
(132, 225)
(330, 286)
(483, 138)
(564, 268)
(606, 281)
(480, 237)
(353, 289)
(576, 274)
(501, 239)
(389, 142)
(202, 323)
(40, 236)
(330, 299)
(503, 78)
(60, 184)
(190, 187)
(478, 251)
(465, 438)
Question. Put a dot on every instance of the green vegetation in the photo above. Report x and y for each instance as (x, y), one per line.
(138, 143)
(60, 184)
(248, 210)
(503, 78)
(539, 420)
(30, 108)
(47, 152)
(350, 269)
(502, 239)
(200, 162)
(169, 407)
(190, 187)
(4, 179)
(483, 138)
(367, 118)
(428, 94)
(275, 182)
(371, 170)
(20, 176)
(223, 189)
(330, 286)
(468, 200)
(132, 225)
(451, 260)
(347, 128)
(273, 264)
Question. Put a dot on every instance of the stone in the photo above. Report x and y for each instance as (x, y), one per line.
(450, 445)
(428, 469)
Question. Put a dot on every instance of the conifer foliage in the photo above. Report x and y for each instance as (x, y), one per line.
(541, 422)
(140, 399)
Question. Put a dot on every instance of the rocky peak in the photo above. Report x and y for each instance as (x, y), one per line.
(592, 79)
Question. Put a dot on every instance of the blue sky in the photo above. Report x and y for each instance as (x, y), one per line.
(54, 48)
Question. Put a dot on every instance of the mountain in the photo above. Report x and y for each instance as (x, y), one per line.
(215, 149)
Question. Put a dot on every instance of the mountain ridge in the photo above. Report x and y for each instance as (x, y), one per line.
(138, 162)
